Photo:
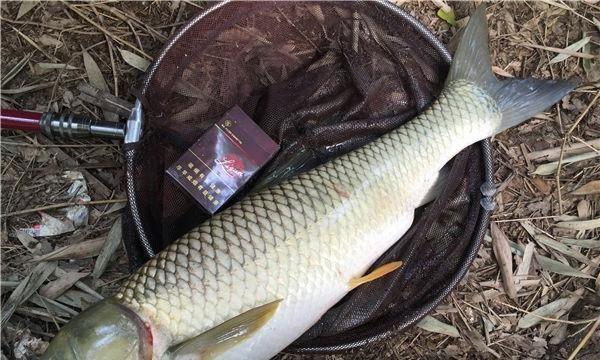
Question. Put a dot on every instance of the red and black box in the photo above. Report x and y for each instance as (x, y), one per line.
(223, 159)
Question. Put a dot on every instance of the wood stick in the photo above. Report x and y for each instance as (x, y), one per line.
(554, 153)
(58, 206)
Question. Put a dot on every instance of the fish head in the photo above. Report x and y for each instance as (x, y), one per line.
(107, 330)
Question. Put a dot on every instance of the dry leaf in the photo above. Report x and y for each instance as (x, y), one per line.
(56, 288)
(504, 257)
(113, 239)
(316, 11)
(499, 71)
(48, 40)
(53, 306)
(573, 47)
(591, 188)
(25, 7)
(43, 68)
(26, 288)
(82, 250)
(541, 185)
(588, 244)
(77, 299)
(55, 66)
(7, 76)
(429, 323)
(80, 285)
(547, 311)
(550, 168)
(580, 225)
(524, 266)
(584, 209)
(562, 248)
(559, 268)
(478, 342)
(134, 60)
(29, 242)
(93, 72)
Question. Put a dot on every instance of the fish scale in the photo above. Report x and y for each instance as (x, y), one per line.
(294, 241)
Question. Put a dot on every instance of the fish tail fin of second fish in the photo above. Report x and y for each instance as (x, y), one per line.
(517, 99)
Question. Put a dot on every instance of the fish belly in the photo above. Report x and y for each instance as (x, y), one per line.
(298, 312)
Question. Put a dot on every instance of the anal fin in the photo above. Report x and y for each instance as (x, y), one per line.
(222, 337)
(375, 274)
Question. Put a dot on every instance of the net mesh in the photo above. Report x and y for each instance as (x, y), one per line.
(321, 79)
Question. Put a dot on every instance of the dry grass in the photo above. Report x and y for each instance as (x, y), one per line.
(531, 293)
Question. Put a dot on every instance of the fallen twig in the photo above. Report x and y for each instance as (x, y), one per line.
(58, 206)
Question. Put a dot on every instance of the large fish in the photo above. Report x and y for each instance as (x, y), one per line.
(252, 279)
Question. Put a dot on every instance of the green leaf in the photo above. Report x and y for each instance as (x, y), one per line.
(448, 16)
(429, 323)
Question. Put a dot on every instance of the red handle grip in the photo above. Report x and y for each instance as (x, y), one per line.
(20, 120)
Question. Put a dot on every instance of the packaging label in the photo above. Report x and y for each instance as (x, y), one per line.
(223, 159)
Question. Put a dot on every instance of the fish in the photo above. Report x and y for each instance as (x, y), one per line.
(250, 280)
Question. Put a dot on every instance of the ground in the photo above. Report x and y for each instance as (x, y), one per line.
(548, 215)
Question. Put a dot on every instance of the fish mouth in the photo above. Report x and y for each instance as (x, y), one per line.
(107, 330)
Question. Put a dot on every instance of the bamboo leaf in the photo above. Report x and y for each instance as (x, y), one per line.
(15, 70)
(591, 188)
(588, 244)
(113, 240)
(447, 15)
(82, 250)
(504, 259)
(55, 288)
(93, 72)
(26, 6)
(134, 60)
(576, 46)
(559, 268)
(562, 248)
(429, 323)
(550, 168)
(26, 288)
(546, 311)
(580, 225)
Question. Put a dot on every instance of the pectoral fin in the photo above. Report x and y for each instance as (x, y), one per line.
(220, 338)
(375, 274)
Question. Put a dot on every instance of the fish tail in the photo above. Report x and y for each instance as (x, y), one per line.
(517, 99)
